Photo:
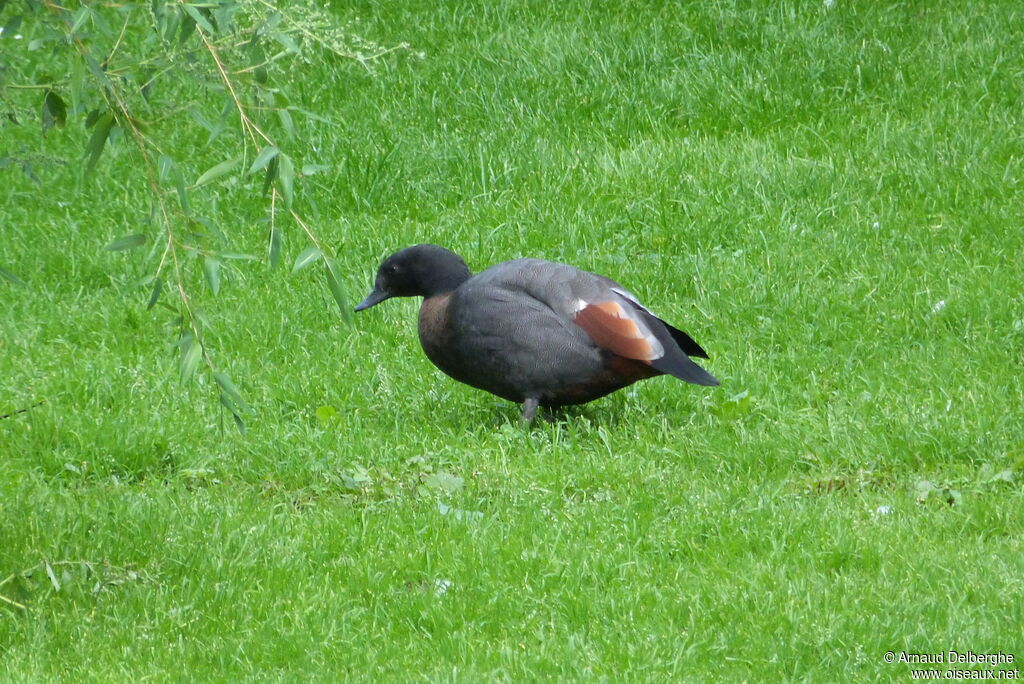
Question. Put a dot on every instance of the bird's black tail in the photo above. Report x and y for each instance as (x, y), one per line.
(680, 366)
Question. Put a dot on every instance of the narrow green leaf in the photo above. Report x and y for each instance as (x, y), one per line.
(211, 269)
(96, 69)
(197, 16)
(239, 422)
(286, 41)
(211, 227)
(126, 242)
(200, 317)
(94, 148)
(286, 122)
(265, 156)
(185, 339)
(228, 389)
(188, 25)
(7, 275)
(158, 287)
(278, 100)
(236, 415)
(77, 84)
(164, 164)
(146, 80)
(166, 22)
(274, 248)
(270, 176)
(80, 17)
(225, 399)
(272, 22)
(190, 358)
(308, 256)
(201, 119)
(215, 172)
(286, 176)
(237, 256)
(338, 288)
(55, 111)
(179, 185)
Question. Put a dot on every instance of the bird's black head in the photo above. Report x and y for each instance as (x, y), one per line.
(418, 271)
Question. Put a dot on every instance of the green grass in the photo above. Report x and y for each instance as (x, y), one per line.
(797, 185)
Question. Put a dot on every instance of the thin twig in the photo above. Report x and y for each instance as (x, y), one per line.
(247, 124)
(13, 602)
(21, 410)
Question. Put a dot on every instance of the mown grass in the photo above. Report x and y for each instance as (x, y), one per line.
(826, 196)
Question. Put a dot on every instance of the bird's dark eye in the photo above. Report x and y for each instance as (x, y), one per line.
(392, 269)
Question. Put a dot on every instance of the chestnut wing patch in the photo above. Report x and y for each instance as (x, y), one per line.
(611, 327)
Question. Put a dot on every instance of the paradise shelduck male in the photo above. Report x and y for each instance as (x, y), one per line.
(533, 331)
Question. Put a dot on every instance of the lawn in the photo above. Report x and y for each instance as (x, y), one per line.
(826, 195)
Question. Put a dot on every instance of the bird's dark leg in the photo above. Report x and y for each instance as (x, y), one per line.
(529, 410)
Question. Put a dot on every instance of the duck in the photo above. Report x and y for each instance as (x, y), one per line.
(535, 332)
